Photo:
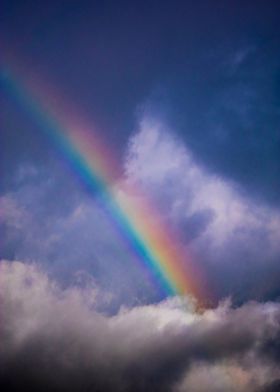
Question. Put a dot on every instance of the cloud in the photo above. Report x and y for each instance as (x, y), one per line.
(68, 233)
(233, 237)
(229, 376)
(228, 230)
(54, 339)
(164, 164)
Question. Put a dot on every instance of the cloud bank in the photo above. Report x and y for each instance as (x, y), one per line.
(55, 340)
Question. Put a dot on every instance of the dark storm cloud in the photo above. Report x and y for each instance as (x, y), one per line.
(55, 340)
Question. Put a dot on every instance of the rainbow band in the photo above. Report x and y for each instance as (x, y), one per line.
(138, 224)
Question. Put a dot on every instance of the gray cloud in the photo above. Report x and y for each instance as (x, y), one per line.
(55, 340)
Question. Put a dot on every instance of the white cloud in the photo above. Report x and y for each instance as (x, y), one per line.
(166, 168)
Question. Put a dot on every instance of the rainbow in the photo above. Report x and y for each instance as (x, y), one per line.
(134, 218)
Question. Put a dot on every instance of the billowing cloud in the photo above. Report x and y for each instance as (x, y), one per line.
(54, 339)
(226, 227)
(162, 163)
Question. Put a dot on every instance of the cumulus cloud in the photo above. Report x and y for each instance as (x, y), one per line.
(54, 340)
(161, 162)
(223, 224)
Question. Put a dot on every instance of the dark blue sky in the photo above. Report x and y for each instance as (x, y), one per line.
(214, 63)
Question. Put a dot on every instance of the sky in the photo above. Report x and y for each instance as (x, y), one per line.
(139, 196)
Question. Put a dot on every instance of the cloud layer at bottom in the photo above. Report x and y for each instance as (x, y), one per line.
(54, 340)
